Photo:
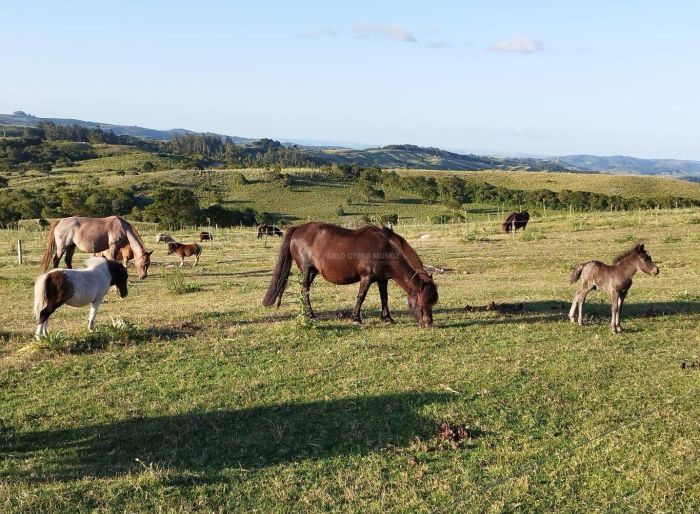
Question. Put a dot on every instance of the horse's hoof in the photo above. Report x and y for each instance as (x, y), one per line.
(388, 321)
(357, 322)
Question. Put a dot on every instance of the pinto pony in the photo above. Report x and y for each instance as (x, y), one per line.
(515, 220)
(616, 279)
(185, 250)
(94, 235)
(269, 230)
(77, 288)
(342, 256)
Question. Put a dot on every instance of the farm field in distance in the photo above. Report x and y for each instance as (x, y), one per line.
(206, 400)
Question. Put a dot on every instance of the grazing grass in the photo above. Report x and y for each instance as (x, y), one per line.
(209, 401)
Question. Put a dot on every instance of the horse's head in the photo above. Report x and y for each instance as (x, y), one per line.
(644, 262)
(120, 278)
(142, 263)
(422, 297)
(171, 248)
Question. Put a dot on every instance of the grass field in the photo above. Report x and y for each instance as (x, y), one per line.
(208, 401)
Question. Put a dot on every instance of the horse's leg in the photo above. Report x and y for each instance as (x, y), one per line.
(196, 259)
(70, 250)
(309, 276)
(615, 309)
(574, 304)
(620, 301)
(60, 250)
(384, 297)
(365, 283)
(93, 312)
(583, 292)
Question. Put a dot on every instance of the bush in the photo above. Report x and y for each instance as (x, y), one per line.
(176, 284)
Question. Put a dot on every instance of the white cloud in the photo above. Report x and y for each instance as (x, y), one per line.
(367, 30)
(520, 45)
(318, 33)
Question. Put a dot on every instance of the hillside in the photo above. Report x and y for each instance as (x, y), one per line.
(626, 164)
(22, 119)
(399, 156)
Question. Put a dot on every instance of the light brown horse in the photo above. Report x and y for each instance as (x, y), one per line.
(615, 279)
(342, 256)
(185, 250)
(94, 235)
(126, 254)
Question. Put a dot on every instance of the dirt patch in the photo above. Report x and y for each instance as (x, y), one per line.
(437, 270)
(455, 434)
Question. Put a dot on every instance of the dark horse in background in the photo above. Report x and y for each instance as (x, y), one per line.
(616, 279)
(343, 256)
(269, 230)
(94, 235)
(515, 220)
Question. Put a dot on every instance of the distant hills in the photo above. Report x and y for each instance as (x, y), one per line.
(625, 164)
(410, 156)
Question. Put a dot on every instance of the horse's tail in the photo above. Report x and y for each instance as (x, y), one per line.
(576, 273)
(278, 282)
(50, 248)
(40, 300)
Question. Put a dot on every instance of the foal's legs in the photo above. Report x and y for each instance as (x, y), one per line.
(365, 283)
(615, 311)
(384, 296)
(308, 279)
(579, 300)
(620, 301)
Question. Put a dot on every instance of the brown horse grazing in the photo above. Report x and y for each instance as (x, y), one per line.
(94, 235)
(269, 230)
(344, 256)
(205, 236)
(185, 250)
(515, 220)
(615, 279)
(126, 254)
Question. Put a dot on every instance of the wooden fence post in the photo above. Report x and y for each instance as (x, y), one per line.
(20, 253)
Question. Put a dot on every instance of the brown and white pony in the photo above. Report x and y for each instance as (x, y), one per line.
(515, 220)
(185, 250)
(342, 256)
(94, 235)
(269, 230)
(77, 288)
(616, 279)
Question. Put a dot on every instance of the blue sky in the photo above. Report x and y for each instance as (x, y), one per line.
(540, 77)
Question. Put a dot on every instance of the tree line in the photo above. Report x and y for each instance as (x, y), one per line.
(169, 207)
(453, 191)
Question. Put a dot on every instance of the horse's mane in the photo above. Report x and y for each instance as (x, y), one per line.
(135, 232)
(627, 253)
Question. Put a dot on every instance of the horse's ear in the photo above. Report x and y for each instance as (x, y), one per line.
(149, 253)
(640, 247)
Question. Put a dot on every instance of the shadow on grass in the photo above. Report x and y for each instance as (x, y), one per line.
(537, 311)
(251, 438)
